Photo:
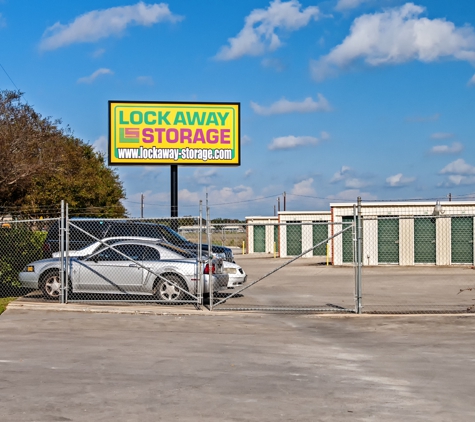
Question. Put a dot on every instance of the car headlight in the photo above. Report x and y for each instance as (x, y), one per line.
(29, 269)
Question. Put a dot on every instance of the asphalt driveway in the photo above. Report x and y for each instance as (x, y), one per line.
(79, 366)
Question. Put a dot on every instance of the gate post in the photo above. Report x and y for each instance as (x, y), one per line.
(61, 250)
(359, 259)
(210, 258)
(200, 257)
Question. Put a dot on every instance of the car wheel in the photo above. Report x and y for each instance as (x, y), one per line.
(166, 288)
(51, 285)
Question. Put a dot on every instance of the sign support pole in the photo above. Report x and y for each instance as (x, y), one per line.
(174, 195)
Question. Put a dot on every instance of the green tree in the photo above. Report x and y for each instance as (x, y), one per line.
(42, 163)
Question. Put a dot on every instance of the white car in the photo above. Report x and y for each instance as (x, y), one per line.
(237, 276)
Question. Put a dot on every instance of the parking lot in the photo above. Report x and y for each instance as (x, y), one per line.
(308, 282)
(81, 366)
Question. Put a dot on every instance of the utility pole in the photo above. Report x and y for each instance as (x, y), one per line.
(450, 197)
(274, 211)
(141, 205)
(285, 208)
(278, 203)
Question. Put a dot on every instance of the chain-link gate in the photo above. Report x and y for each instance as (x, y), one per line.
(418, 263)
(288, 269)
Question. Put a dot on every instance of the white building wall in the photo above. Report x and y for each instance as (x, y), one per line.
(269, 223)
(443, 249)
(406, 241)
(370, 242)
(307, 229)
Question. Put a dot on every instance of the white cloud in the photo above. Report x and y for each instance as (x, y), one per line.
(289, 142)
(348, 4)
(98, 53)
(145, 80)
(340, 175)
(100, 144)
(91, 78)
(398, 35)
(459, 167)
(285, 106)
(399, 180)
(204, 177)
(471, 81)
(98, 24)
(441, 135)
(457, 180)
(246, 139)
(231, 196)
(304, 188)
(247, 173)
(259, 32)
(355, 183)
(273, 63)
(3, 21)
(446, 149)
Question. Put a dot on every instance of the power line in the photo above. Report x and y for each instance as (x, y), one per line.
(11, 80)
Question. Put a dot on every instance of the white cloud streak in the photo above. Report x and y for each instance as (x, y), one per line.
(284, 106)
(340, 175)
(441, 135)
(90, 79)
(348, 4)
(204, 177)
(398, 180)
(304, 187)
(459, 167)
(455, 148)
(290, 142)
(396, 36)
(471, 81)
(97, 24)
(259, 33)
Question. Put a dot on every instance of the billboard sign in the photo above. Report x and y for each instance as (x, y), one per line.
(181, 133)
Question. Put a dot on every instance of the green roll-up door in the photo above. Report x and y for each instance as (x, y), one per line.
(320, 233)
(259, 238)
(388, 240)
(294, 238)
(462, 240)
(347, 240)
(424, 240)
(276, 238)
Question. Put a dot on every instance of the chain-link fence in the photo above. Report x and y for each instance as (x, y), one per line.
(22, 242)
(418, 263)
(359, 262)
(286, 267)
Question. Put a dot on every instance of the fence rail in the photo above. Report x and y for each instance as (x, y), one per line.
(358, 263)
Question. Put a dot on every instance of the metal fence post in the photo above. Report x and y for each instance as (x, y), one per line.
(210, 259)
(200, 257)
(66, 253)
(359, 257)
(61, 249)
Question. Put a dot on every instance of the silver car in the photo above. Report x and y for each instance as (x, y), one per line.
(134, 267)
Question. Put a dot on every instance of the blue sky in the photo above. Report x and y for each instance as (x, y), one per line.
(339, 99)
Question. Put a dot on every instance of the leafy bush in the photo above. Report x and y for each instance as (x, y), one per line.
(18, 247)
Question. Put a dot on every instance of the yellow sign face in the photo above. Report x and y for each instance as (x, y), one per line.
(174, 133)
